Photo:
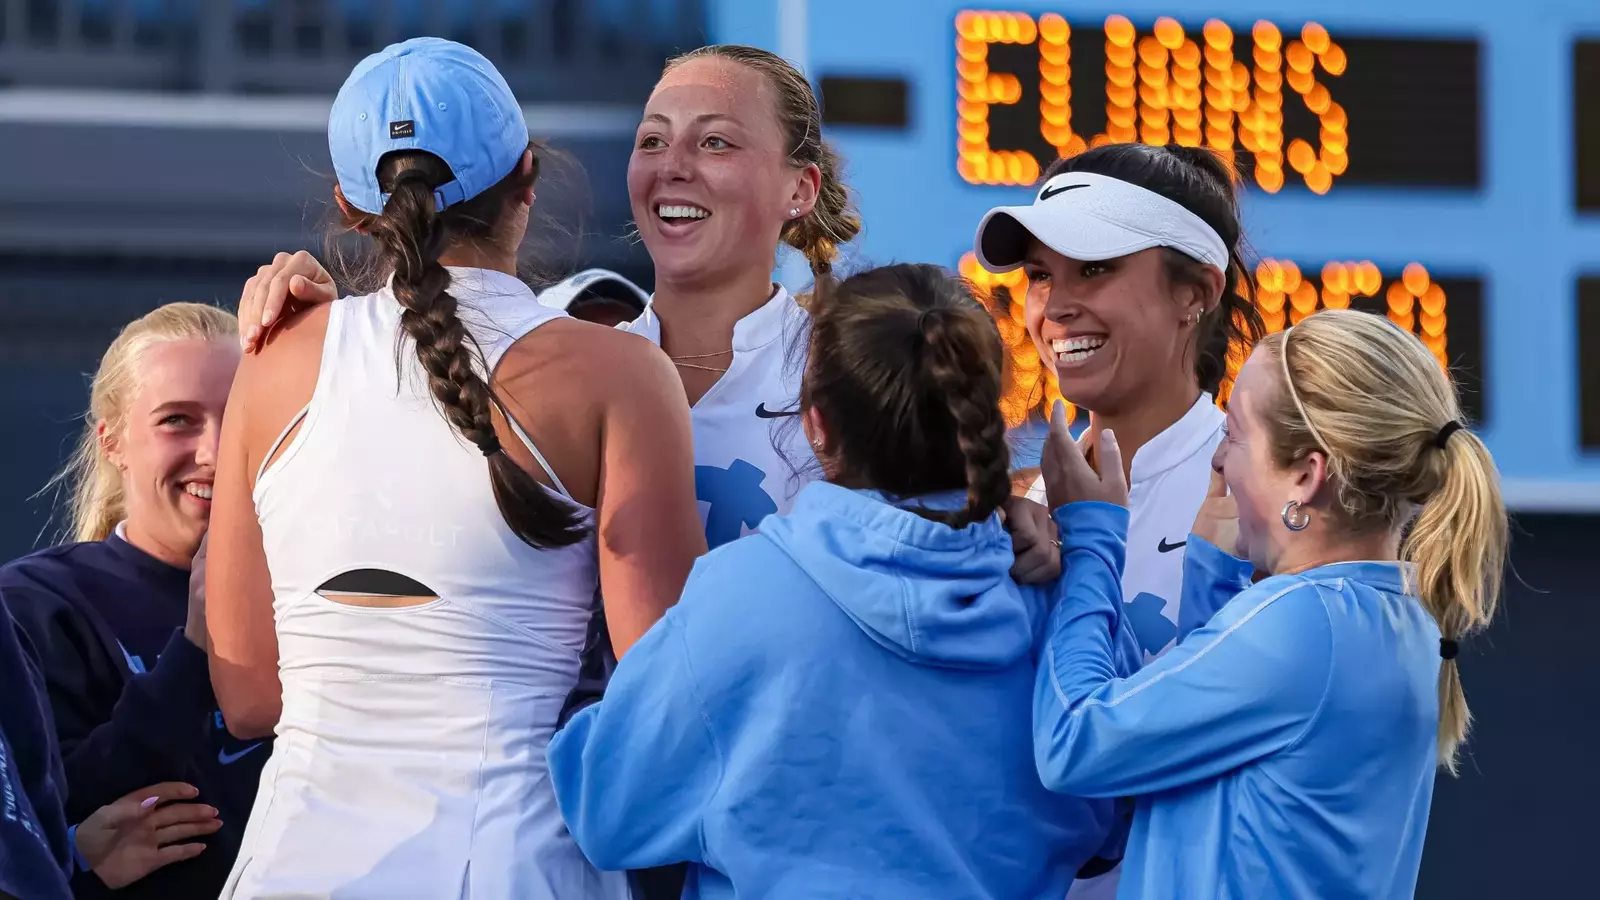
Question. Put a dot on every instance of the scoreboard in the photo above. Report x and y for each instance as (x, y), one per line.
(1252, 95)
(1434, 161)
(1030, 89)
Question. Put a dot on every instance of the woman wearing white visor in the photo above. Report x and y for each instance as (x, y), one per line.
(1136, 288)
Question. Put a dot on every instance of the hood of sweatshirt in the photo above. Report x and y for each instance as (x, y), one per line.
(935, 595)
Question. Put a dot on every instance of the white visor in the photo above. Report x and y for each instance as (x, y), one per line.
(1090, 217)
(603, 281)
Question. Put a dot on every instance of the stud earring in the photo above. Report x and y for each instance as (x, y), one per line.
(794, 212)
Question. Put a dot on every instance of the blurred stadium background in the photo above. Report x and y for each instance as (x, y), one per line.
(1436, 161)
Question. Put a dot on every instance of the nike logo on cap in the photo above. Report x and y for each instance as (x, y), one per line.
(228, 759)
(1049, 192)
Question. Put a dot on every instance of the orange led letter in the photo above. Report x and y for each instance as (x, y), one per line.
(977, 89)
(1318, 167)
(1055, 86)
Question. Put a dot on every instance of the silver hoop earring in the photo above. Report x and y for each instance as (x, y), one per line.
(1295, 518)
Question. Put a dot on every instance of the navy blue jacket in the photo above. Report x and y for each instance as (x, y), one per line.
(130, 708)
(34, 844)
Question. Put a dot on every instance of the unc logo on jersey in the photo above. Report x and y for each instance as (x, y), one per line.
(1153, 629)
(735, 497)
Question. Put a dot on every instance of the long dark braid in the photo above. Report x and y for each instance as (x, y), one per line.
(413, 235)
(958, 369)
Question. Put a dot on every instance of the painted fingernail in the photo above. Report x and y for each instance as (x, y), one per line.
(152, 801)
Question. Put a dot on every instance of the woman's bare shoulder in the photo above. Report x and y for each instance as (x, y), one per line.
(593, 359)
(274, 383)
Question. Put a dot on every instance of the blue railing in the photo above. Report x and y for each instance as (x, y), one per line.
(569, 50)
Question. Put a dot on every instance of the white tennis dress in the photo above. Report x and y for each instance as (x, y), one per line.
(410, 756)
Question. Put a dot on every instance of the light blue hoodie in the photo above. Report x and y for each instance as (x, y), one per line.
(1286, 748)
(839, 706)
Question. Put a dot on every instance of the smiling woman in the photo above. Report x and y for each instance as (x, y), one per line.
(1136, 287)
(117, 633)
(728, 164)
(153, 393)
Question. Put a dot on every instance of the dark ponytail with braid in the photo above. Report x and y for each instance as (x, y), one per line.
(412, 234)
(905, 369)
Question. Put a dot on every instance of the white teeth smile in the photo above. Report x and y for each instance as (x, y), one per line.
(203, 491)
(1075, 350)
(681, 212)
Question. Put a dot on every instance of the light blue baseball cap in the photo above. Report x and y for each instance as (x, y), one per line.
(425, 94)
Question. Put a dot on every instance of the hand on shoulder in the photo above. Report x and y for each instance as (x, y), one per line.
(291, 283)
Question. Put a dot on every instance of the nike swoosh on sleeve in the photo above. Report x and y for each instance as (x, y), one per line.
(228, 759)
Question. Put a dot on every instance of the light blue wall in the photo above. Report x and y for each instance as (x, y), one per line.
(1519, 231)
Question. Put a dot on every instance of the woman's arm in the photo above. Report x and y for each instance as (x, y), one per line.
(1088, 605)
(244, 638)
(270, 387)
(1211, 575)
(648, 518)
(608, 414)
(1211, 578)
(1247, 684)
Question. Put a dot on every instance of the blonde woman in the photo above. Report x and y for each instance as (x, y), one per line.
(110, 619)
(1287, 748)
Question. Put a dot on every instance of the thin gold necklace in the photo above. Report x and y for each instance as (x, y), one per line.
(678, 361)
(684, 365)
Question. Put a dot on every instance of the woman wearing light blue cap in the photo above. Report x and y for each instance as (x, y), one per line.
(409, 627)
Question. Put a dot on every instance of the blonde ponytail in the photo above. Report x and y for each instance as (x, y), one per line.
(1371, 397)
(831, 222)
(1458, 547)
(93, 483)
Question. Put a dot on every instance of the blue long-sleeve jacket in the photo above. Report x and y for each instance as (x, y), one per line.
(1286, 748)
(35, 845)
(839, 706)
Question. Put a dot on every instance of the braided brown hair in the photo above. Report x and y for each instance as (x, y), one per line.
(412, 234)
(905, 370)
(833, 220)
